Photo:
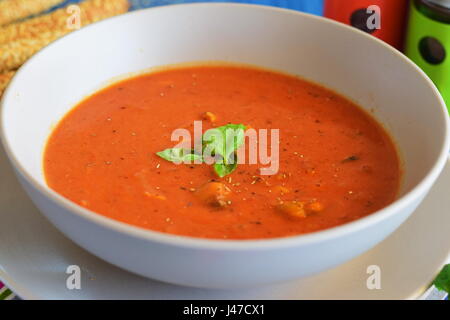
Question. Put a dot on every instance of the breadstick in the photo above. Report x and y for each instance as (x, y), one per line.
(33, 35)
(90, 11)
(12, 10)
(14, 54)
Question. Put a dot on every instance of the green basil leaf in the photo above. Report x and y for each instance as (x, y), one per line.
(224, 141)
(179, 155)
(219, 145)
(442, 282)
(223, 170)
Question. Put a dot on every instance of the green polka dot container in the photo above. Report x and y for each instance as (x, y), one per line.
(428, 41)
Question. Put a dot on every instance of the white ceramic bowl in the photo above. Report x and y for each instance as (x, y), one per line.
(366, 70)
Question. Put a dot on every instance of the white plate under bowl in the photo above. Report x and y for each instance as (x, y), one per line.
(34, 257)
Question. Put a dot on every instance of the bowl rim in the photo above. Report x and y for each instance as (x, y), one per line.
(231, 245)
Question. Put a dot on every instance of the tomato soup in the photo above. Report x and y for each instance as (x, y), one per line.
(336, 163)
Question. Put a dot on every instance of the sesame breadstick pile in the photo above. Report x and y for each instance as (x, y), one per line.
(20, 40)
(91, 11)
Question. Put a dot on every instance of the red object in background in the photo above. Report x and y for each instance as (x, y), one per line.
(354, 12)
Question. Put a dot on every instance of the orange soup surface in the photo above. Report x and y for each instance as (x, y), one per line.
(336, 163)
